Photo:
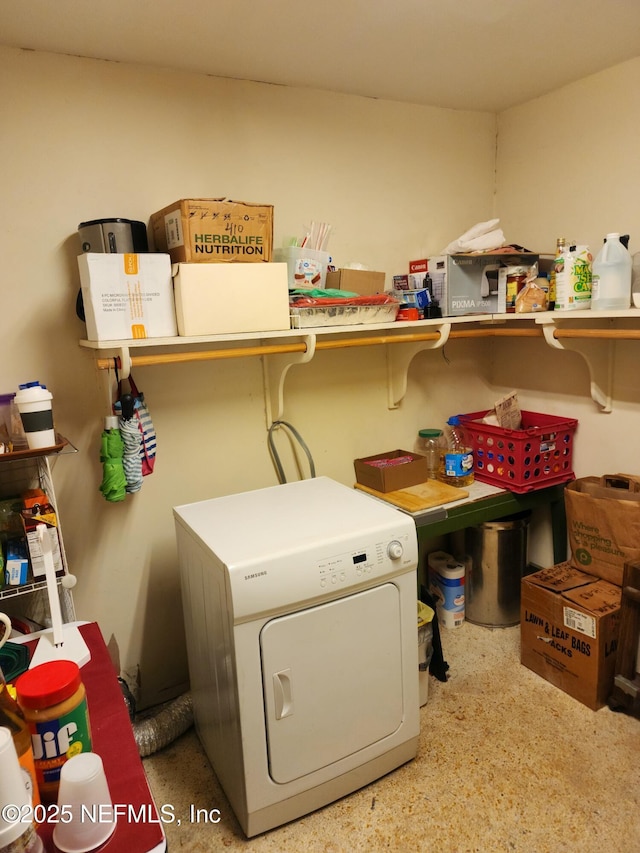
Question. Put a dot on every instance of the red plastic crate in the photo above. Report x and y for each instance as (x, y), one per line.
(522, 460)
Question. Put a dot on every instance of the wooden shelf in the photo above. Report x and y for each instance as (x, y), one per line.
(590, 334)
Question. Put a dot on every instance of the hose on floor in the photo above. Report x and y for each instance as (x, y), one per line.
(161, 726)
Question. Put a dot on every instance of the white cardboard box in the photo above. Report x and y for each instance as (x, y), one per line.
(219, 299)
(127, 296)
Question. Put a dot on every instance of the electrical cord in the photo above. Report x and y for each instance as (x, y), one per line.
(274, 452)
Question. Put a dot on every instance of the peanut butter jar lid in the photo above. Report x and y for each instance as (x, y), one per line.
(48, 684)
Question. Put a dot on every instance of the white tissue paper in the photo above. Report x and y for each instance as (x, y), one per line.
(481, 238)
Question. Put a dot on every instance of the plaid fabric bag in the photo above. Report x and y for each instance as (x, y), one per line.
(148, 445)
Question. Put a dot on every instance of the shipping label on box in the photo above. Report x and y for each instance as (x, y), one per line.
(214, 230)
(127, 296)
(569, 627)
(219, 299)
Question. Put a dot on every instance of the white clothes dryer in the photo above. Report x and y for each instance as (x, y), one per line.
(300, 607)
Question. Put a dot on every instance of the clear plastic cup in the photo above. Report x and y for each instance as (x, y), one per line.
(84, 796)
(14, 796)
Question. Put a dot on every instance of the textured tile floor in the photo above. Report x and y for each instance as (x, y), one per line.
(506, 762)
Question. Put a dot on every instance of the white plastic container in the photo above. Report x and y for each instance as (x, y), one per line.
(611, 281)
(34, 404)
(17, 832)
(635, 293)
(306, 268)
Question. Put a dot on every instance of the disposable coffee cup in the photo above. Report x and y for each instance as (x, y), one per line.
(84, 796)
(34, 404)
(14, 796)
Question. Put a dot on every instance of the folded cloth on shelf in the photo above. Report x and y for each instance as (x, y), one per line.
(481, 238)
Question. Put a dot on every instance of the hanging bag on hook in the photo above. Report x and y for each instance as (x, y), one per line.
(145, 424)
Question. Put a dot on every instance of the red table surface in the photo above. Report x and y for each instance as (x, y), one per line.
(138, 828)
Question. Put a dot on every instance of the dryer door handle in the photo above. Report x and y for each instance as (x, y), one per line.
(282, 693)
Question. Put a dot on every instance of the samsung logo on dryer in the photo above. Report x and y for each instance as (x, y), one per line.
(255, 575)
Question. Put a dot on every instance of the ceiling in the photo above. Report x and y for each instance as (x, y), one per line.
(458, 54)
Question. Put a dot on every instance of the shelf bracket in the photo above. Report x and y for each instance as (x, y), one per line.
(274, 370)
(598, 355)
(400, 356)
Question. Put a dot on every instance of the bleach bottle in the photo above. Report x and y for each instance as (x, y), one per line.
(611, 282)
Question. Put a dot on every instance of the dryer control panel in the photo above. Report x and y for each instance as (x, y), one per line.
(298, 580)
(289, 546)
(356, 566)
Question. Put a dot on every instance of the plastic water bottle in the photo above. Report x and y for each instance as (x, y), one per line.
(456, 460)
(611, 282)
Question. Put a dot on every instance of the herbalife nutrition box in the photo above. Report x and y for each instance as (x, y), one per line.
(470, 283)
(127, 296)
(569, 626)
(214, 230)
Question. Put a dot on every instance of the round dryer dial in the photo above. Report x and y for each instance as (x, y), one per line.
(395, 550)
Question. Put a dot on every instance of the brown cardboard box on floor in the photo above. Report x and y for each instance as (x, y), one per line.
(569, 624)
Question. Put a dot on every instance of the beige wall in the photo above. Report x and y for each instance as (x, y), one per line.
(568, 165)
(84, 139)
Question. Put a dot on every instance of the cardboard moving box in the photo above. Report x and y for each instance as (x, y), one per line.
(362, 282)
(219, 299)
(127, 296)
(214, 230)
(569, 626)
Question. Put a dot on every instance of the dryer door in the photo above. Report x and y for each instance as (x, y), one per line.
(332, 680)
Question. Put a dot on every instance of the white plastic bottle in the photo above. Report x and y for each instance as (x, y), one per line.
(611, 282)
(635, 280)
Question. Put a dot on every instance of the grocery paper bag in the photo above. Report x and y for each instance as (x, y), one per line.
(603, 524)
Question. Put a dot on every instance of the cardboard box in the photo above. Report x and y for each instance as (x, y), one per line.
(603, 524)
(127, 296)
(362, 282)
(393, 470)
(469, 283)
(214, 230)
(400, 282)
(219, 299)
(17, 563)
(569, 626)
(37, 510)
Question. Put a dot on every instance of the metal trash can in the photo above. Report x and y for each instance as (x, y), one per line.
(495, 557)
